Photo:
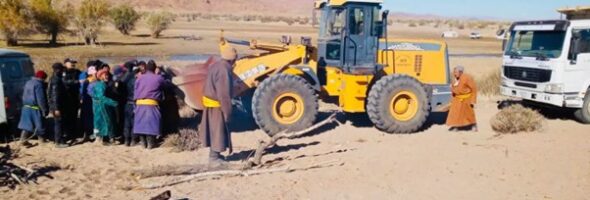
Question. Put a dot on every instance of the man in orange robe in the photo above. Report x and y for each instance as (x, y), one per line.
(461, 113)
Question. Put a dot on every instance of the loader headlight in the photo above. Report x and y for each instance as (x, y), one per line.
(554, 88)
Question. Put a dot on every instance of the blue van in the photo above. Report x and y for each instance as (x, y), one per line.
(16, 68)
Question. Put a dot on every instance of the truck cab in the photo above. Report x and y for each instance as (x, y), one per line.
(548, 62)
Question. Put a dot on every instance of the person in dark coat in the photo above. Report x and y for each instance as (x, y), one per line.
(71, 82)
(147, 96)
(56, 96)
(169, 105)
(34, 109)
(213, 130)
(130, 139)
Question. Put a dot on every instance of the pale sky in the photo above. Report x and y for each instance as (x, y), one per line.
(497, 9)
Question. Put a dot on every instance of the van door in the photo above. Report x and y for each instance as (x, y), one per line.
(3, 118)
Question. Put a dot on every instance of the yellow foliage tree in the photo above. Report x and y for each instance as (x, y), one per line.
(49, 18)
(90, 17)
(14, 20)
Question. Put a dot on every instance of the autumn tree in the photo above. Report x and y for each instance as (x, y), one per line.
(14, 20)
(159, 22)
(90, 18)
(124, 17)
(50, 17)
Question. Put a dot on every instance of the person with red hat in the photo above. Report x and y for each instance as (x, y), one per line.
(35, 109)
(103, 108)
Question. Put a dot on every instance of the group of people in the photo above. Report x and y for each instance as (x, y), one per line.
(98, 103)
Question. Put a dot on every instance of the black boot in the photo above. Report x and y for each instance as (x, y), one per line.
(127, 141)
(24, 138)
(133, 140)
(216, 160)
(151, 141)
(143, 141)
(41, 139)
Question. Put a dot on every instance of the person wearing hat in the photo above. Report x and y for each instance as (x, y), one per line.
(461, 113)
(86, 114)
(34, 109)
(56, 96)
(103, 109)
(217, 95)
(71, 82)
(147, 96)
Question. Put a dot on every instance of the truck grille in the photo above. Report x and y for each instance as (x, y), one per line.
(527, 74)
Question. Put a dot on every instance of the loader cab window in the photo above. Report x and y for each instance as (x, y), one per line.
(335, 22)
(357, 21)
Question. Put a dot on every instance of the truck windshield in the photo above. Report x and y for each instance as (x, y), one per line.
(545, 44)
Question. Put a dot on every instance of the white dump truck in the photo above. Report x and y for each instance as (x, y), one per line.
(548, 62)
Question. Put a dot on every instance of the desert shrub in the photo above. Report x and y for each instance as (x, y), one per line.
(185, 140)
(517, 118)
(50, 18)
(159, 22)
(413, 25)
(90, 18)
(461, 26)
(490, 84)
(124, 17)
(14, 20)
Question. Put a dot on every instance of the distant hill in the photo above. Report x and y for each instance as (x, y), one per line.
(236, 7)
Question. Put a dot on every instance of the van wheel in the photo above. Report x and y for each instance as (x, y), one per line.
(583, 114)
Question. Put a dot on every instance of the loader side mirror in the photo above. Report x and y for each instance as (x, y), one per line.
(379, 29)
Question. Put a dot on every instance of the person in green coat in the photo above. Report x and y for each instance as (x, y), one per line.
(103, 109)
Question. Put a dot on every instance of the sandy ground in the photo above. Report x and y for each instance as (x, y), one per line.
(433, 164)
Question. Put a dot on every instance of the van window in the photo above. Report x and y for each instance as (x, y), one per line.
(11, 70)
(27, 67)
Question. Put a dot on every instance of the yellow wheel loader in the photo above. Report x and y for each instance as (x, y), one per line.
(396, 82)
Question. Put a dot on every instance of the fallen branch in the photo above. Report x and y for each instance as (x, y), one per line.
(263, 145)
(12, 174)
(233, 173)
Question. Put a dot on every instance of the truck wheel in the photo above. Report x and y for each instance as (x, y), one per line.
(398, 104)
(583, 114)
(284, 102)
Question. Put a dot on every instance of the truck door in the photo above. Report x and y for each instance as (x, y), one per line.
(578, 69)
(360, 43)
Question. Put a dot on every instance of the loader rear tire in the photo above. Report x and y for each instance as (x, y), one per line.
(398, 104)
(284, 102)
(583, 114)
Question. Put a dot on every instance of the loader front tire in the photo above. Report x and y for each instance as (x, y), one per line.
(284, 102)
(398, 104)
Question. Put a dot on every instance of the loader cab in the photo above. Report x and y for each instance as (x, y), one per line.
(349, 35)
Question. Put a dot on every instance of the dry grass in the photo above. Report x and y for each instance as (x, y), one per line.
(489, 84)
(516, 119)
(185, 140)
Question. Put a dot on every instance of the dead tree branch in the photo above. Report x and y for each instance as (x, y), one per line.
(264, 145)
(233, 173)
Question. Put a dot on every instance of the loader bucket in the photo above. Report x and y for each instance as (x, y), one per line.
(191, 80)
